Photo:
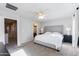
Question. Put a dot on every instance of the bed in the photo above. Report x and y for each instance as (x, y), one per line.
(52, 39)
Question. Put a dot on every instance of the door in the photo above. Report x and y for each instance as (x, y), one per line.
(10, 31)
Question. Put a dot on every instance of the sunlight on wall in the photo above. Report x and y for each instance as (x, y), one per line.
(68, 30)
(75, 31)
(36, 23)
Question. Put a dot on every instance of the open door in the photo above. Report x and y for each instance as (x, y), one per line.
(34, 29)
(10, 31)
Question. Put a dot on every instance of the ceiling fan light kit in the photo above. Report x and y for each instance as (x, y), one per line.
(40, 14)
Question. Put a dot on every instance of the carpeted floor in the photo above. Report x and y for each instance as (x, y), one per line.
(32, 49)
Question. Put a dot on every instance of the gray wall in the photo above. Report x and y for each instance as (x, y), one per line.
(66, 22)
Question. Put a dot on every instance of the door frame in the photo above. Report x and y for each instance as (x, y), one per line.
(16, 29)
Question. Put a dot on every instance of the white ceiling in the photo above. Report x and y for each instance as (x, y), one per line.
(51, 10)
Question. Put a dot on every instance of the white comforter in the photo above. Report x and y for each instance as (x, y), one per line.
(51, 38)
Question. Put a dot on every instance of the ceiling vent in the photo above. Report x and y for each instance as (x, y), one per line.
(11, 7)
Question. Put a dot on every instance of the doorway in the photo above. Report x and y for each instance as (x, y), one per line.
(34, 29)
(10, 31)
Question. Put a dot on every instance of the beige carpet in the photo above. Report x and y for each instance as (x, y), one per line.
(32, 49)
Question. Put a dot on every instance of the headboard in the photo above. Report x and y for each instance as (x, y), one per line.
(54, 28)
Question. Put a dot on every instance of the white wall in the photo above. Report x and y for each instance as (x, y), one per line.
(75, 30)
(66, 22)
(24, 31)
(2, 36)
(78, 22)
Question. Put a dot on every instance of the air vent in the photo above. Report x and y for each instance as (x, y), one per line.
(11, 7)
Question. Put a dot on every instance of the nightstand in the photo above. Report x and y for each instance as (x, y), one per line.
(67, 38)
(78, 41)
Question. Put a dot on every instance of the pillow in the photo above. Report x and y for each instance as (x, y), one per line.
(48, 33)
(57, 33)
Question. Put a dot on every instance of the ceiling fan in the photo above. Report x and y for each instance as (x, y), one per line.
(40, 14)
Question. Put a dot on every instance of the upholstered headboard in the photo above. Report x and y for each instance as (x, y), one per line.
(55, 28)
